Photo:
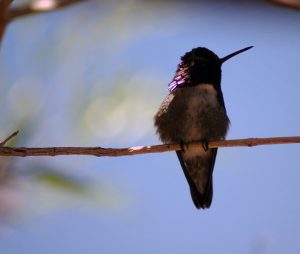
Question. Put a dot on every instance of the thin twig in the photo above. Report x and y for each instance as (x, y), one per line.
(9, 138)
(40, 7)
(99, 151)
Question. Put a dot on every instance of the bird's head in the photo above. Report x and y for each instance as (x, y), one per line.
(200, 66)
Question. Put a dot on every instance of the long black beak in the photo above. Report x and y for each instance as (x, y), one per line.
(224, 59)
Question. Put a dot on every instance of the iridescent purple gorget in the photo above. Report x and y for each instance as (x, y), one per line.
(181, 79)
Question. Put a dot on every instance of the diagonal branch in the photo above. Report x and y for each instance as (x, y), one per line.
(8, 13)
(40, 7)
(99, 151)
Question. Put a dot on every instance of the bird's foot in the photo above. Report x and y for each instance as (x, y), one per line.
(184, 146)
(205, 145)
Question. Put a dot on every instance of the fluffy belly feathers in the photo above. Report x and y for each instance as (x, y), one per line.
(191, 114)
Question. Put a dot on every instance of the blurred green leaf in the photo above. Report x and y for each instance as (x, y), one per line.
(63, 181)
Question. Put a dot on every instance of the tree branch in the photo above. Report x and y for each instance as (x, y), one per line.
(39, 7)
(99, 151)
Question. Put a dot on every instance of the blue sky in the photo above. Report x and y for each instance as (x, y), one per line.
(96, 73)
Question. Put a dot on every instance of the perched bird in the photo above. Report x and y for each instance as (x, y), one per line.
(194, 110)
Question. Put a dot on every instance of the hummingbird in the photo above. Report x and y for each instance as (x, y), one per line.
(194, 111)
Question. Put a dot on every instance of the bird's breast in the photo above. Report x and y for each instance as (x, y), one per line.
(191, 114)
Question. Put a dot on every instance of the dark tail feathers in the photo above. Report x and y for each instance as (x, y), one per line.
(201, 200)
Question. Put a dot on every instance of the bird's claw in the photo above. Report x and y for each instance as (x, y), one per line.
(205, 145)
(184, 146)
